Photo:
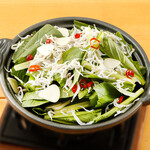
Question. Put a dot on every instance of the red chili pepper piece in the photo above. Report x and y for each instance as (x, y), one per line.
(89, 84)
(77, 35)
(83, 83)
(48, 41)
(120, 99)
(74, 88)
(29, 57)
(94, 39)
(34, 68)
(129, 73)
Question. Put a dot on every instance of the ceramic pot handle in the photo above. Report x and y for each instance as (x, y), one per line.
(4, 49)
(146, 96)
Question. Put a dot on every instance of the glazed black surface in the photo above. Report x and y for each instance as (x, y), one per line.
(139, 55)
(15, 129)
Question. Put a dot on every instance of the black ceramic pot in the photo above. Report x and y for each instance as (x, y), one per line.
(5, 62)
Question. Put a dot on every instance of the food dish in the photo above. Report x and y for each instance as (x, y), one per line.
(88, 74)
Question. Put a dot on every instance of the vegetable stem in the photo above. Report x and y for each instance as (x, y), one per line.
(115, 109)
(71, 108)
(88, 66)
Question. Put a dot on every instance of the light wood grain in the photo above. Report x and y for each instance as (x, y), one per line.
(1, 93)
(131, 16)
(3, 103)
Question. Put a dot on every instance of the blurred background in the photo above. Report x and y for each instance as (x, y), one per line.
(132, 16)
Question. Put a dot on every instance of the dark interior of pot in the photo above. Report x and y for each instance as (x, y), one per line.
(75, 129)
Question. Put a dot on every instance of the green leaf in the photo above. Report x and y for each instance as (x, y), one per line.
(79, 24)
(57, 106)
(29, 86)
(106, 93)
(21, 74)
(94, 76)
(113, 51)
(129, 50)
(65, 94)
(33, 102)
(129, 85)
(72, 53)
(39, 111)
(21, 60)
(31, 45)
(31, 95)
(82, 93)
(93, 99)
(57, 77)
(143, 70)
(119, 35)
(31, 99)
(20, 50)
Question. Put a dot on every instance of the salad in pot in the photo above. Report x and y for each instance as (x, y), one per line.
(79, 76)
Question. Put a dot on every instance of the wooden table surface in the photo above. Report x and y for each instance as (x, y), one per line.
(133, 16)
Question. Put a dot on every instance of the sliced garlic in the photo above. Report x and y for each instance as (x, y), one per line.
(64, 31)
(111, 63)
(45, 49)
(51, 93)
(63, 41)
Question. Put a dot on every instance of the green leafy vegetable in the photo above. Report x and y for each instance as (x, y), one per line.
(79, 24)
(143, 70)
(115, 109)
(21, 74)
(65, 94)
(106, 93)
(33, 102)
(58, 78)
(93, 99)
(72, 107)
(113, 51)
(84, 116)
(82, 93)
(72, 53)
(31, 45)
(31, 95)
(39, 111)
(129, 50)
(58, 105)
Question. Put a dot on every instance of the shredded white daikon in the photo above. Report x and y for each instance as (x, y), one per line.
(62, 111)
(79, 121)
(23, 38)
(86, 109)
(125, 108)
(20, 94)
(17, 45)
(51, 113)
